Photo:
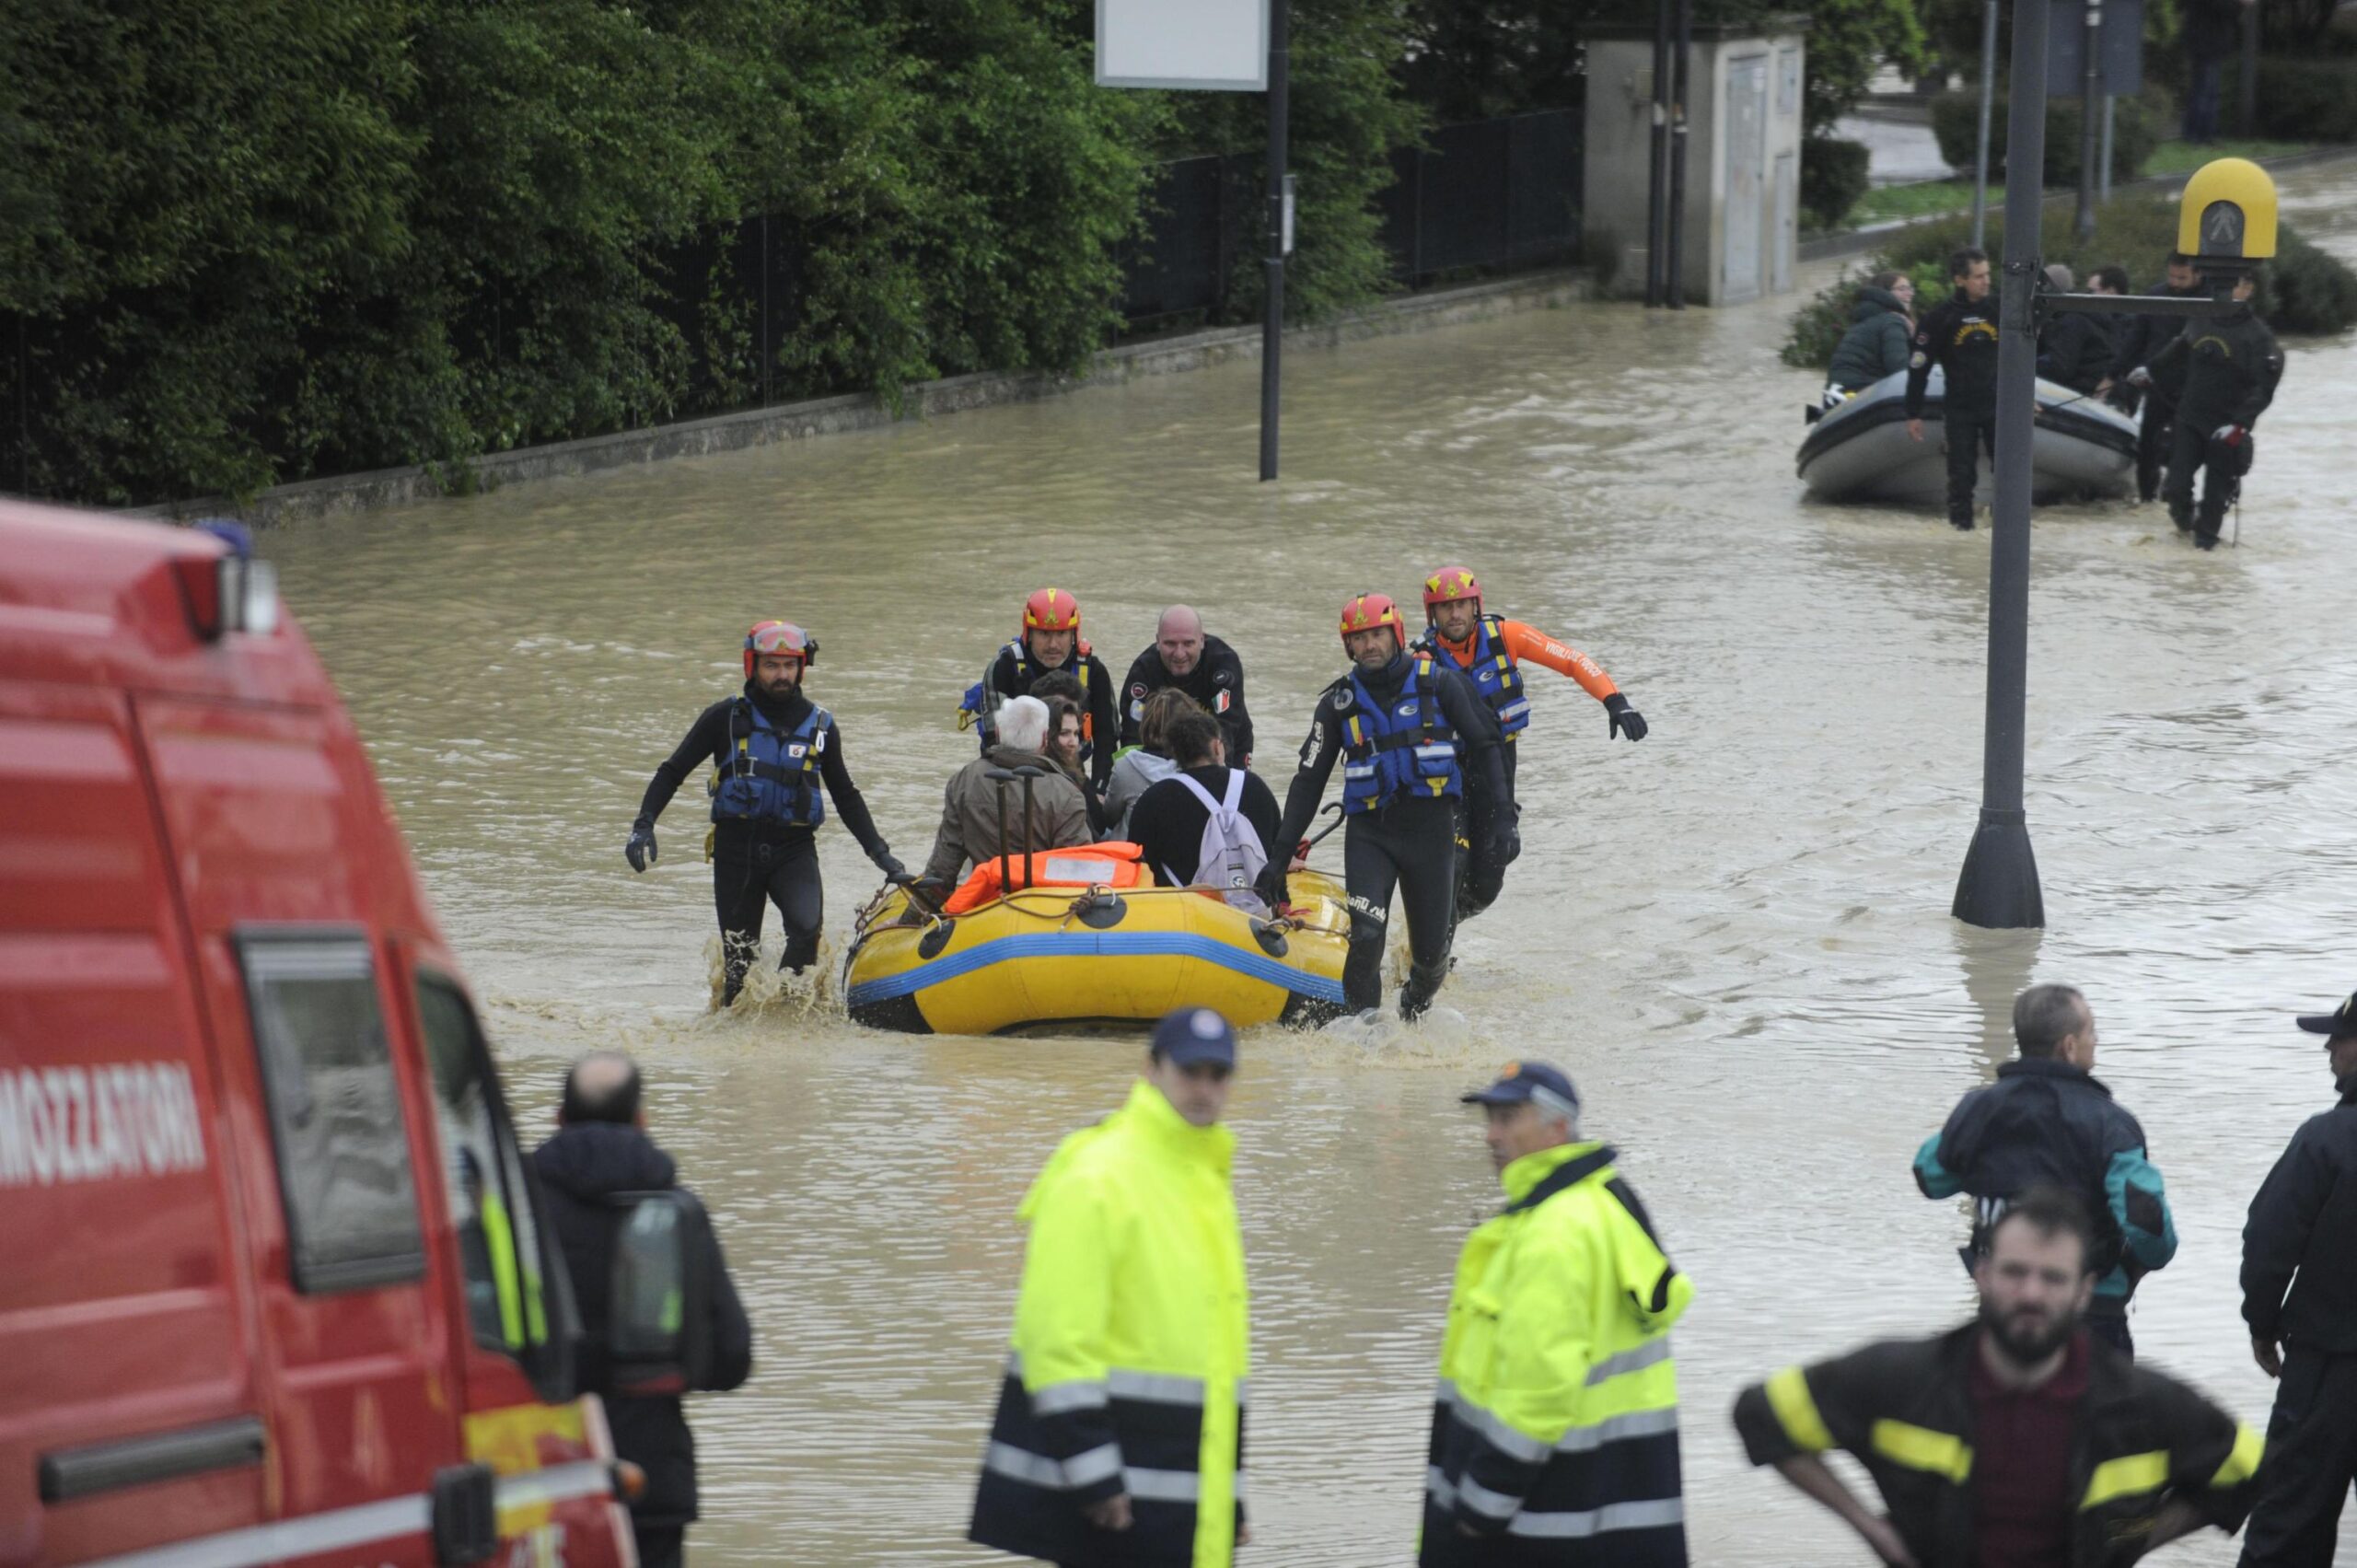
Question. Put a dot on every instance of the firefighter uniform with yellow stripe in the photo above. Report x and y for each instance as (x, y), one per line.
(1130, 1352)
(1904, 1409)
(1554, 1435)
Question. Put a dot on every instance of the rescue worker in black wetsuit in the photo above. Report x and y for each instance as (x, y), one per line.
(1050, 639)
(1415, 738)
(770, 747)
(1202, 667)
(1960, 336)
(1491, 651)
(2231, 364)
(2138, 343)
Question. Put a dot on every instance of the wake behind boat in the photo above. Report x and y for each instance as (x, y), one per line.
(2084, 450)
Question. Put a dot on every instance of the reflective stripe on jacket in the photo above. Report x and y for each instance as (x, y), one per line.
(1130, 1352)
(1404, 747)
(1554, 1432)
(771, 775)
(1904, 1409)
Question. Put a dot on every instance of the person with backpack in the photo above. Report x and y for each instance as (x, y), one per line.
(1208, 824)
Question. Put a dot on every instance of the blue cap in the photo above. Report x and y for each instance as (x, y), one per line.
(1195, 1034)
(1521, 1082)
(2339, 1024)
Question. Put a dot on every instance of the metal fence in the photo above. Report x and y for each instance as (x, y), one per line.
(1492, 193)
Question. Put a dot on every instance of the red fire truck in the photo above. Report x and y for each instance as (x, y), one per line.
(274, 1286)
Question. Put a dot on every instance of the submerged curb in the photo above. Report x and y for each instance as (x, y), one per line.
(848, 412)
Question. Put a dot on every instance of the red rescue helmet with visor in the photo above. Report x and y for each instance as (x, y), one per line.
(1369, 611)
(779, 637)
(1450, 583)
(1052, 610)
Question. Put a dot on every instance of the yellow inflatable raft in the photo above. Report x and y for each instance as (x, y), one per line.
(1070, 947)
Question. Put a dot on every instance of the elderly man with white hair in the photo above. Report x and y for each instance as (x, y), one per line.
(1202, 667)
(969, 834)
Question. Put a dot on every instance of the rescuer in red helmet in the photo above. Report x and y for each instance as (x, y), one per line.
(1416, 740)
(1050, 639)
(1490, 649)
(770, 748)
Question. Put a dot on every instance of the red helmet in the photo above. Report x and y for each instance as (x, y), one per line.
(1369, 611)
(779, 637)
(1052, 610)
(1449, 583)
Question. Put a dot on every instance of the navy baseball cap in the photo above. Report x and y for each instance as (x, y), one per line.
(2339, 1024)
(1520, 1082)
(1195, 1034)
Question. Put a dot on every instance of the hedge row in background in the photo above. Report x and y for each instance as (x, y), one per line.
(2306, 99)
(2139, 125)
(248, 241)
(2303, 290)
(1835, 177)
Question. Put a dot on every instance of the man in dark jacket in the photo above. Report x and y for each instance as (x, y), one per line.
(1960, 337)
(601, 1149)
(2300, 1299)
(1202, 667)
(1875, 344)
(1049, 639)
(2076, 347)
(2136, 344)
(2046, 1120)
(2210, 30)
(2019, 1438)
(2232, 365)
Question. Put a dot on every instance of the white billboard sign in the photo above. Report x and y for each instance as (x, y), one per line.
(1197, 45)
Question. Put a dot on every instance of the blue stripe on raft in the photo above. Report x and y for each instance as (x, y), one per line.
(1065, 944)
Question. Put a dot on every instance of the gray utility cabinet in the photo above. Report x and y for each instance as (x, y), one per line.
(1743, 159)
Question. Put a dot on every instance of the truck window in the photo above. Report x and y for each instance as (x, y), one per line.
(483, 1177)
(335, 1111)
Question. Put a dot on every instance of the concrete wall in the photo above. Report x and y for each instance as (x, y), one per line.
(1742, 207)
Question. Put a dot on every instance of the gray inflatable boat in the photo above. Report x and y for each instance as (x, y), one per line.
(1861, 451)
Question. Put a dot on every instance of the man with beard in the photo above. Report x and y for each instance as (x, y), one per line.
(2300, 1299)
(770, 748)
(2014, 1440)
(1202, 667)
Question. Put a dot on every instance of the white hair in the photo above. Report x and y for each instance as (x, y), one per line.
(1023, 723)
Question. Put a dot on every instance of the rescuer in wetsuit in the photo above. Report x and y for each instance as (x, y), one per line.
(1050, 639)
(770, 747)
(1415, 738)
(2230, 366)
(1201, 666)
(1960, 336)
(1490, 650)
(2139, 341)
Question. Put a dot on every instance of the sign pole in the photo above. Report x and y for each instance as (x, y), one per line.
(2090, 89)
(1987, 90)
(1999, 887)
(1272, 324)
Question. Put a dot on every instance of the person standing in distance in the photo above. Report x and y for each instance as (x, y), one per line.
(600, 1149)
(1119, 1437)
(1959, 335)
(1554, 1439)
(1050, 639)
(770, 747)
(1202, 667)
(1490, 650)
(2300, 1298)
(1416, 739)
(2047, 1120)
(2231, 366)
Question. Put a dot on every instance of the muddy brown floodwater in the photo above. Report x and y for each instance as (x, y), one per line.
(1734, 936)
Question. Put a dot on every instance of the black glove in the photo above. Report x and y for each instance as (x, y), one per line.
(893, 870)
(1505, 847)
(1626, 720)
(639, 852)
(1272, 886)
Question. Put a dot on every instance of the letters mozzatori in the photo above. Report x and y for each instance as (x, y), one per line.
(61, 1125)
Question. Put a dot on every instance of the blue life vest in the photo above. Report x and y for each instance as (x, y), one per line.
(771, 775)
(1402, 747)
(1494, 672)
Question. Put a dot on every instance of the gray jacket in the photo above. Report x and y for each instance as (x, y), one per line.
(1134, 772)
(970, 813)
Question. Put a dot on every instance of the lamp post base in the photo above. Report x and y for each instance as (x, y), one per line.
(1998, 890)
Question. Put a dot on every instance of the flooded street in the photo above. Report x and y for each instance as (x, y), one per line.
(1734, 936)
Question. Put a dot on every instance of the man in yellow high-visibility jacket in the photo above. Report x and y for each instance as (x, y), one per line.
(1555, 1427)
(1119, 1437)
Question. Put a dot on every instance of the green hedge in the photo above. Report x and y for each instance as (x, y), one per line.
(2306, 99)
(2137, 125)
(1833, 180)
(2303, 290)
